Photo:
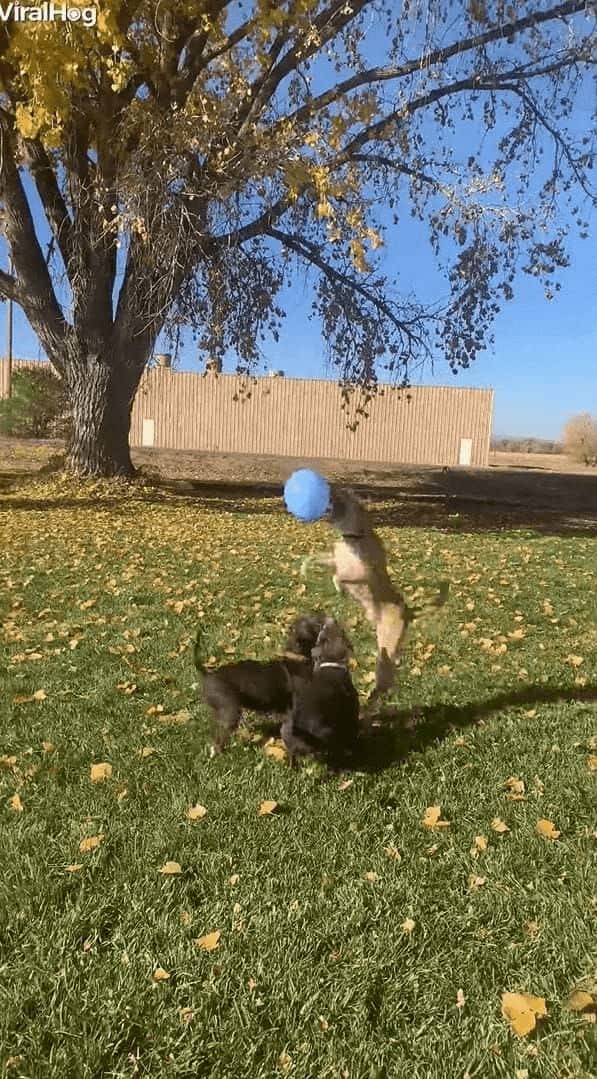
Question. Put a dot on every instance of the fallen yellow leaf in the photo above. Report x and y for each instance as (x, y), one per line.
(210, 941)
(460, 998)
(522, 1010)
(100, 771)
(393, 852)
(514, 785)
(196, 812)
(581, 1001)
(176, 719)
(233, 880)
(592, 763)
(146, 752)
(547, 829)
(48, 747)
(73, 868)
(371, 875)
(275, 751)
(91, 843)
(408, 925)
(480, 844)
(160, 975)
(431, 818)
(476, 882)
(574, 661)
(8, 762)
(345, 784)
(267, 808)
(170, 868)
(499, 826)
(16, 803)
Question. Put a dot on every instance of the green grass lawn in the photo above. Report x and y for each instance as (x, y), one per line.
(354, 941)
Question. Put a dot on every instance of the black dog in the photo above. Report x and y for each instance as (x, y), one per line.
(261, 687)
(324, 721)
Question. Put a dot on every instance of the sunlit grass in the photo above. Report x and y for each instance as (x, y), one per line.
(314, 973)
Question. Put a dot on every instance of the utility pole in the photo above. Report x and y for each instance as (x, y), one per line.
(9, 334)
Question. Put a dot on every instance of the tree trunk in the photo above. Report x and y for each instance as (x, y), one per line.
(101, 397)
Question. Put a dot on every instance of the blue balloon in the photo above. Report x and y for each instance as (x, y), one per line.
(307, 495)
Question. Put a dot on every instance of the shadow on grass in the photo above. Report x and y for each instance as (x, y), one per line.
(407, 731)
(451, 501)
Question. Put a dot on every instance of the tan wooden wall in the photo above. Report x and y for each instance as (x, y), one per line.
(290, 417)
(303, 418)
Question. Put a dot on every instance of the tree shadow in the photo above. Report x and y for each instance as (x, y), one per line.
(439, 501)
(405, 731)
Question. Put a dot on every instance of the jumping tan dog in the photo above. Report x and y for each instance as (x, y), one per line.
(359, 564)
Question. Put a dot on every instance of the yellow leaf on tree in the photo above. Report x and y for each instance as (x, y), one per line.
(522, 1010)
(547, 829)
(99, 772)
(210, 941)
(91, 843)
(196, 812)
(431, 818)
(267, 808)
(171, 868)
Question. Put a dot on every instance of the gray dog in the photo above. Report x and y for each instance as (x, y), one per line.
(267, 687)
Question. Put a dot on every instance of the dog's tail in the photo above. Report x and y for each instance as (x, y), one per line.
(198, 658)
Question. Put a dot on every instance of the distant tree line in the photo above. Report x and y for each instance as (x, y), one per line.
(526, 445)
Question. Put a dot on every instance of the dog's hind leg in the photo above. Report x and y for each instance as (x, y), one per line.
(226, 719)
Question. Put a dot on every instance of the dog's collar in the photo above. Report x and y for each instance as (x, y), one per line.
(341, 666)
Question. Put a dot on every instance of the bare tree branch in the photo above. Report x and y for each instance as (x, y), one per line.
(311, 253)
(9, 288)
(50, 196)
(436, 57)
(36, 292)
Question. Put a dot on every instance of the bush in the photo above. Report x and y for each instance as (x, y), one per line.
(38, 406)
(580, 438)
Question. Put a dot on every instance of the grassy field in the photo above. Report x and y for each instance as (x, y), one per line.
(354, 942)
